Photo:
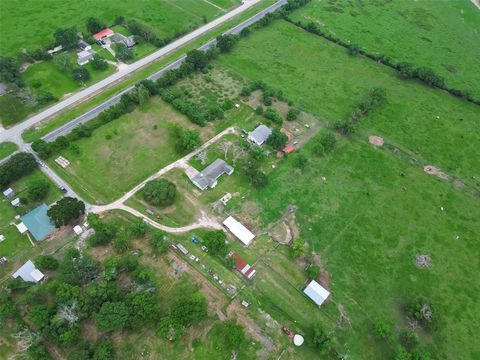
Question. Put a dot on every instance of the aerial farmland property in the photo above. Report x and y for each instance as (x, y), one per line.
(260, 180)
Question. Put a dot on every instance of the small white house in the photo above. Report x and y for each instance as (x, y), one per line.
(316, 292)
(15, 202)
(259, 135)
(28, 272)
(77, 229)
(8, 192)
(240, 231)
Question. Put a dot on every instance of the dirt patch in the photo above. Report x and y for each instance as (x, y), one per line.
(324, 278)
(281, 107)
(432, 170)
(285, 230)
(89, 330)
(343, 319)
(423, 261)
(269, 347)
(459, 184)
(255, 99)
(375, 140)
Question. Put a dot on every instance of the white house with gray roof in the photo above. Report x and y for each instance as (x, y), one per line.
(28, 272)
(260, 134)
(208, 177)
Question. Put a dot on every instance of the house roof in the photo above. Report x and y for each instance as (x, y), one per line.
(84, 55)
(38, 222)
(101, 34)
(8, 192)
(242, 266)
(82, 44)
(21, 228)
(129, 41)
(28, 272)
(260, 134)
(208, 177)
(316, 292)
(15, 202)
(240, 231)
(77, 229)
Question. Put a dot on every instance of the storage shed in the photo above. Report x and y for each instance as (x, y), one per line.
(316, 292)
(240, 231)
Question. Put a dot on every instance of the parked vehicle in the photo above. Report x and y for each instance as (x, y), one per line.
(194, 239)
(63, 189)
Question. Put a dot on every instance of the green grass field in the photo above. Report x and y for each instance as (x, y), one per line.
(123, 153)
(442, 35)
(7, 148)
(329, 84)
(367, 221)
(35, 22)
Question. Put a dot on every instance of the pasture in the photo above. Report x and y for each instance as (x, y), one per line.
(7, 148)
(377, 210)
(35, 22)
(328, 83)
(442, 35)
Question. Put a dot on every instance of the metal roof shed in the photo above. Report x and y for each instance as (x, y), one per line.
(28, 272)
(22, 229)
(8, 192)
(38, 222)
(316, 292)
(240, 231)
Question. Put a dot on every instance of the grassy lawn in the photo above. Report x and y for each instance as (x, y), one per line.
(7, 148)
(184, 211)
(442, 35)
(37, 21)
(440, 128)
(12, 110)
(14, 242)
(123, 153)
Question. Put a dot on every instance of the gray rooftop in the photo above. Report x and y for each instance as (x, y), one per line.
(260, 134)
(82, 44)
(208, 177)
(28, 272)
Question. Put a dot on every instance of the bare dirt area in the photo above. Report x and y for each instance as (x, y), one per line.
(285, 230)
(324, 278)
(432, 170)
(375, 140)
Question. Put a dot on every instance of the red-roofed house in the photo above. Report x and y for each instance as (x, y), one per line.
(241, 265)
(105, 33)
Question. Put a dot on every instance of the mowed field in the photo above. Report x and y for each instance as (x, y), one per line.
(439, 128)
(377, 210)
(34, 22)
(123, 153)
(442, 34)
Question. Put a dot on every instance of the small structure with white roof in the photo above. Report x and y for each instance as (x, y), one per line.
(77, 229)
(15, 202)
(84, 57)
(316, 292)
(22, 229)
(28, 272)
(8, 193)
(240, 231)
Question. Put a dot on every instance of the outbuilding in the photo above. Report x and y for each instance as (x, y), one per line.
(84, 57)
(77, 229)
(103, 34)
(15, 202)
(8, 193)
(316, 292)
(22, 229)
(28, 272)
(84, 46)
(240, 231)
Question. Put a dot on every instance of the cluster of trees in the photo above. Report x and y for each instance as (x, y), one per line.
(268, 94)
(186, 140)
(215, 241)
(17, 166)
(374, 99)
(405, 70)
(324, 144)
(10, 71)
(66, 210)
(251, 166)
(277, 139)
(160, 192)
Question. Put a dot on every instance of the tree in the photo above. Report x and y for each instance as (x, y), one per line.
(38, 189)
(313, 271)
(99, 63)
(354, 49)
(63, 62)
(121, 243)
(94, 25)
(77, 269)
(140, 94)
(46, 262)
(300, 161)
(233, 334)
(277, 139)
(111, 316)
(104, 350)
(322, 340)
(67, 37)
(273, 115)
(226, 42)
(10, 70)
(17, 166)
(383, 330)
(81, 74)
(143, 309)
(197, 59)
(66, 210)
(123, 53)
(292, 114)
(298, 248)
(187, 140)
(215, 241)
(138, 227)
(189, 310)
(328, 141)
(409, 339)
(158, 242)
(160, 192)
(406, 70)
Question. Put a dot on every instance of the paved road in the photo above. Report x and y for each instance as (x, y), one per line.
(94, 112)
(14, 134)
